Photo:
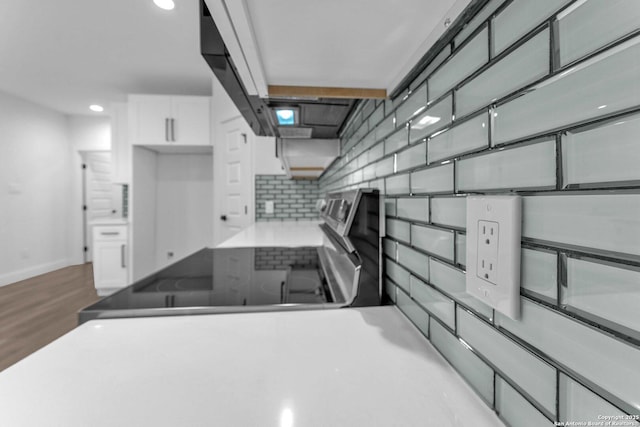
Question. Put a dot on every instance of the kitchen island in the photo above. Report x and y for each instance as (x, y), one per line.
(277, 233)
(348, 367)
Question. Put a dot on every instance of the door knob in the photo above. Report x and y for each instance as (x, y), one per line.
(223, 217)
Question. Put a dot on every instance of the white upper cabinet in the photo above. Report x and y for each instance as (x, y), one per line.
(156, 120)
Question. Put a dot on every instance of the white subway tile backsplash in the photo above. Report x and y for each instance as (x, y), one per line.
(461, 249)
(590, 25)
(515, 409)
(433, 240)
(390, 289)
(412, 157)
(577, 403)
(533, 166)
(536, 377)
(398, 229)
(415, 261)
(464, 62)
(524, 65)
(384, 167)
(579, 125)
(607, 155)
(437, 116)
(601, 359)
(390, 207)
(369, 172)
(436, 303)
(376, 152)
(376, 117)
(475, 371)
(539, 273)
(435, 63)
(390, 249)
(452, 281)
(449, 211)
(605, 290)
(520, 17)
(438, 179)
(477, 20)
(396, 140)
(398, 274)
(414, 208)
(601, 85)
(462, 138)
(413, 311)
(397, 184)
(385, 127)
(415, 104)
(609, 222)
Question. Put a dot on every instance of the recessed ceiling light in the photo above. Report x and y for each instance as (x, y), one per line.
(97, 108)
(286, 116)
(165, 4)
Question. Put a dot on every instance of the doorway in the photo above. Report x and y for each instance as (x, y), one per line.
(234, 183)
(100, 198)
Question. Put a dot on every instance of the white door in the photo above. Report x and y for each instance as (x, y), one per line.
(99, 192)
(234, 174)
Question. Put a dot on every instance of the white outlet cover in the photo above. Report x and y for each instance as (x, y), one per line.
(493, 272)
(269, 206)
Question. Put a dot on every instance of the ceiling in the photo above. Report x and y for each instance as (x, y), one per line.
(304, 54)
(356, 44)
(67, 54)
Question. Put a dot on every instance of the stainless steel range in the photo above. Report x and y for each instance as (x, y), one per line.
(344, 271)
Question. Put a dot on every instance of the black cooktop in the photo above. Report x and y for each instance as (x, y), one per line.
(229, 277)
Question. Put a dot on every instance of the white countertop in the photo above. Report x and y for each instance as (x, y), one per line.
(278, 233)
(346, 367)
(109, 221)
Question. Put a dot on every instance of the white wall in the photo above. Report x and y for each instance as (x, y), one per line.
(35, 190)
(264, 155)
(86, 133)
(184, 205)
(143, 212)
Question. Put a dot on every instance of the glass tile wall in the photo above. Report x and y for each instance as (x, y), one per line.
(541, 99)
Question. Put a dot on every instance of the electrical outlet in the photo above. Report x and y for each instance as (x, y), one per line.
(268, 207)
(488, 237)
(493, 251)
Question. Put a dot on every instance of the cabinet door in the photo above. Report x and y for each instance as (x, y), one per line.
(191, 118)
(149, 120)
(109, 264)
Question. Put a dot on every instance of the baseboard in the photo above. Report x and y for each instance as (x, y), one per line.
(36, 270)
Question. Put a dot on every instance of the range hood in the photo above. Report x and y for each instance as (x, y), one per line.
(318, 118)
(307, 158)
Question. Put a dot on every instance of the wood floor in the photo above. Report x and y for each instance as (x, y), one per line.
(36, 311)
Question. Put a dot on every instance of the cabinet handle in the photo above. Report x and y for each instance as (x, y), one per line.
(122, 262)
(109, 233)
(173, 130)
(166, 130)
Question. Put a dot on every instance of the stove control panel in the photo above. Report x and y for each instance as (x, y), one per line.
(340, 208)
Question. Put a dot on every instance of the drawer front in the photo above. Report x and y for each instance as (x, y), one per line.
(110, 232)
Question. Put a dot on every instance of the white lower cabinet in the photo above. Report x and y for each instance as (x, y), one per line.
(110, 252)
